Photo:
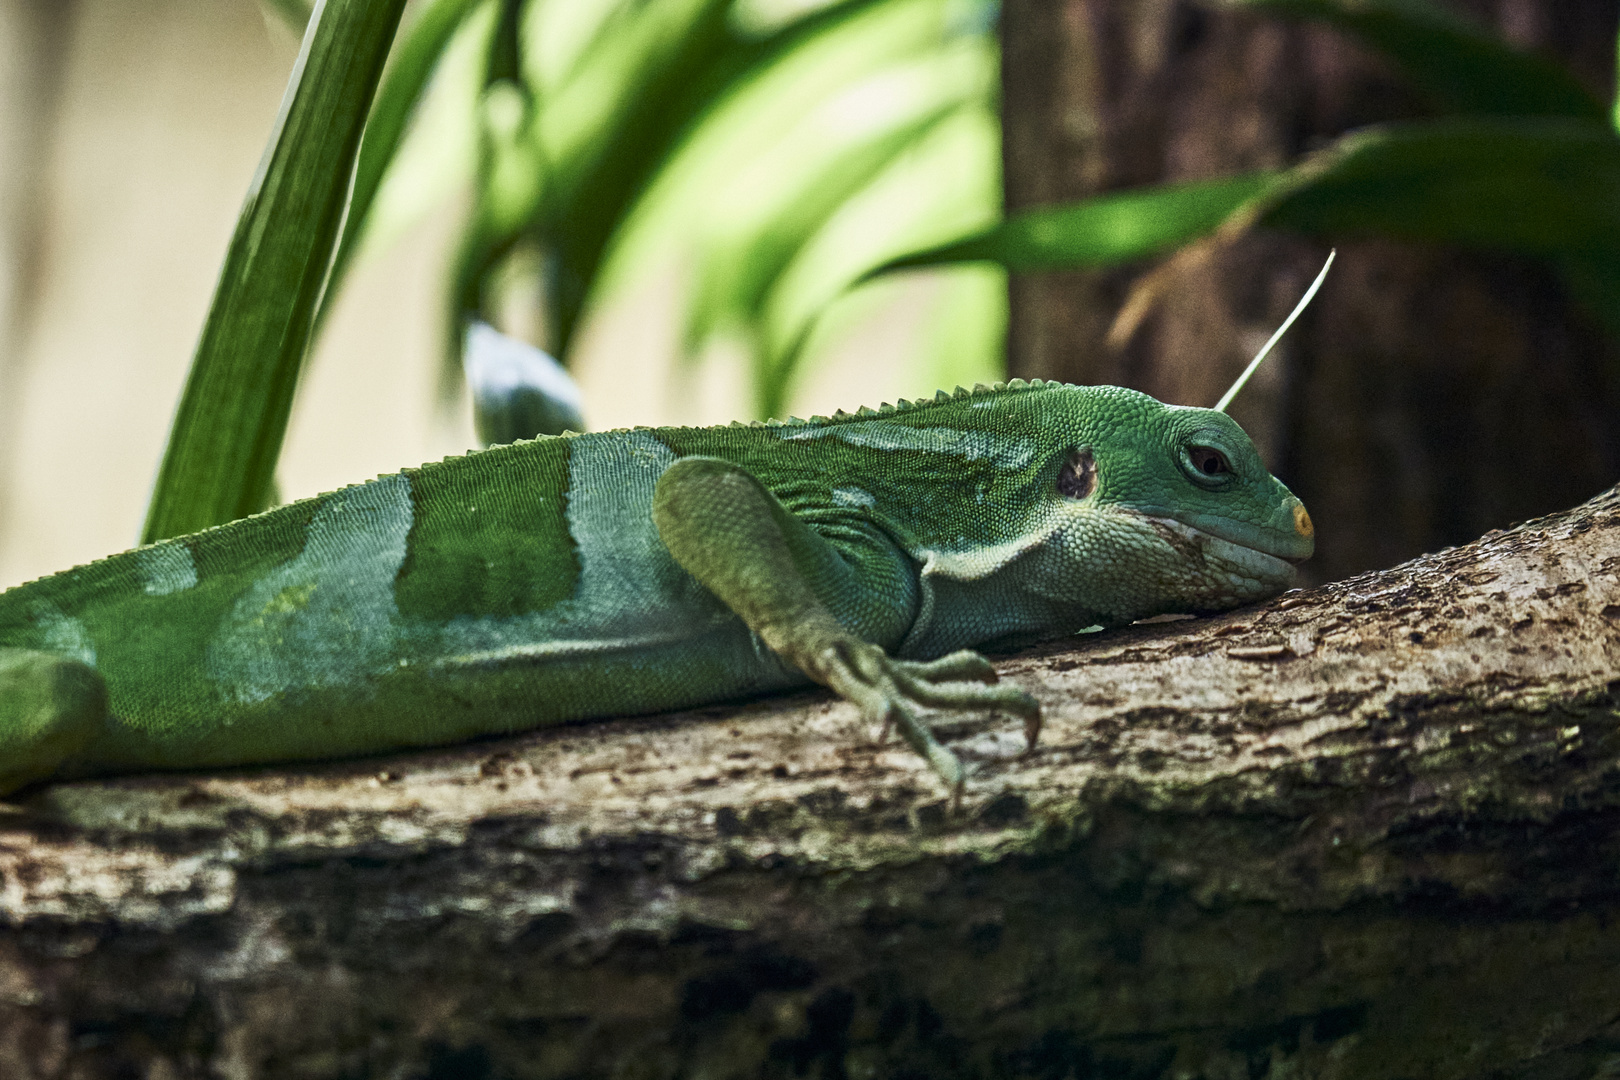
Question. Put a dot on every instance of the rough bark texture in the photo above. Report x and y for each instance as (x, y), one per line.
(1430, 394)
(1371, 830)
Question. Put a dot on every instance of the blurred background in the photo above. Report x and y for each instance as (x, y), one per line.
(1432, 391)
(130, 129)
(675, 196)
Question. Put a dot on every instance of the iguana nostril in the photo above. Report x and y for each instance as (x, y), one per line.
(1302, 521)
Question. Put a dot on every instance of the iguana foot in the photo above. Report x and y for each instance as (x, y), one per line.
(888, 690)
(784, 580)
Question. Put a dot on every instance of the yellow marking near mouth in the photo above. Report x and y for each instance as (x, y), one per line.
(1302, 521)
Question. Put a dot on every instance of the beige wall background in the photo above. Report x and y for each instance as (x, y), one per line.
(129, 130)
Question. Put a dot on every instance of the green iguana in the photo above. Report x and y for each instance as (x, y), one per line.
(636, 571)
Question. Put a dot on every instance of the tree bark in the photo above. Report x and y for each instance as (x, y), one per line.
(1367, 830)
(1429, 394)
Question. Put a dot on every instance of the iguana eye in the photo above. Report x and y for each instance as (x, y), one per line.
(1079, 476)
(1208, 460)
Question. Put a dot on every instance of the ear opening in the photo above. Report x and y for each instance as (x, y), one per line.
(1079, 476)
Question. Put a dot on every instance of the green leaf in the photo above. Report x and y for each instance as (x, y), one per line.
(596, 190)
(402, 86)
(1460, 64)
(1538, 186)
(1098, 232)
(1614, 106)
(942, 181)
(222, 450)
(751, 201)
(759, 271)
(740, 269)
(295, 13)
(1543, 186)
(646, 80)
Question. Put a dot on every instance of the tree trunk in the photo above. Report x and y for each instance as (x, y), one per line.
(1371, 830)
(1429, 394)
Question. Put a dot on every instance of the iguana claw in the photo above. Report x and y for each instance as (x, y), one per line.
(886, 689)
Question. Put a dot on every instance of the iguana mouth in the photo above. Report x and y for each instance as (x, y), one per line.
(1291, 546)
(1202, 544)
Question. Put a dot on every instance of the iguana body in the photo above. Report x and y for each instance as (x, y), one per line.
(642, 570)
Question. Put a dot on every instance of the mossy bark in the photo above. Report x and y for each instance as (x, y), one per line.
(1371, 830)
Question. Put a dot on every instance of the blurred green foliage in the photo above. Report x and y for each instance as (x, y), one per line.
(791, 153)
(777, 148)
(1518, 157)
(781, 147)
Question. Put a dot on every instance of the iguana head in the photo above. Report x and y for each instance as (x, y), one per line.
(1174, 501)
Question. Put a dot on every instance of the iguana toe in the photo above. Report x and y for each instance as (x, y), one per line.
(963, 665)
(888, 692)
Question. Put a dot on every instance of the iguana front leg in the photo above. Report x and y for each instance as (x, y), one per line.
(785, 581)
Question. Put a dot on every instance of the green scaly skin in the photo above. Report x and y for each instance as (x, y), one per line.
(643, 570)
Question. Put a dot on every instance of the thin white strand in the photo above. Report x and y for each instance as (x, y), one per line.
(1226, 399)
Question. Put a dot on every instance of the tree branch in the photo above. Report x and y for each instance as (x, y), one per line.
(1371, 829)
